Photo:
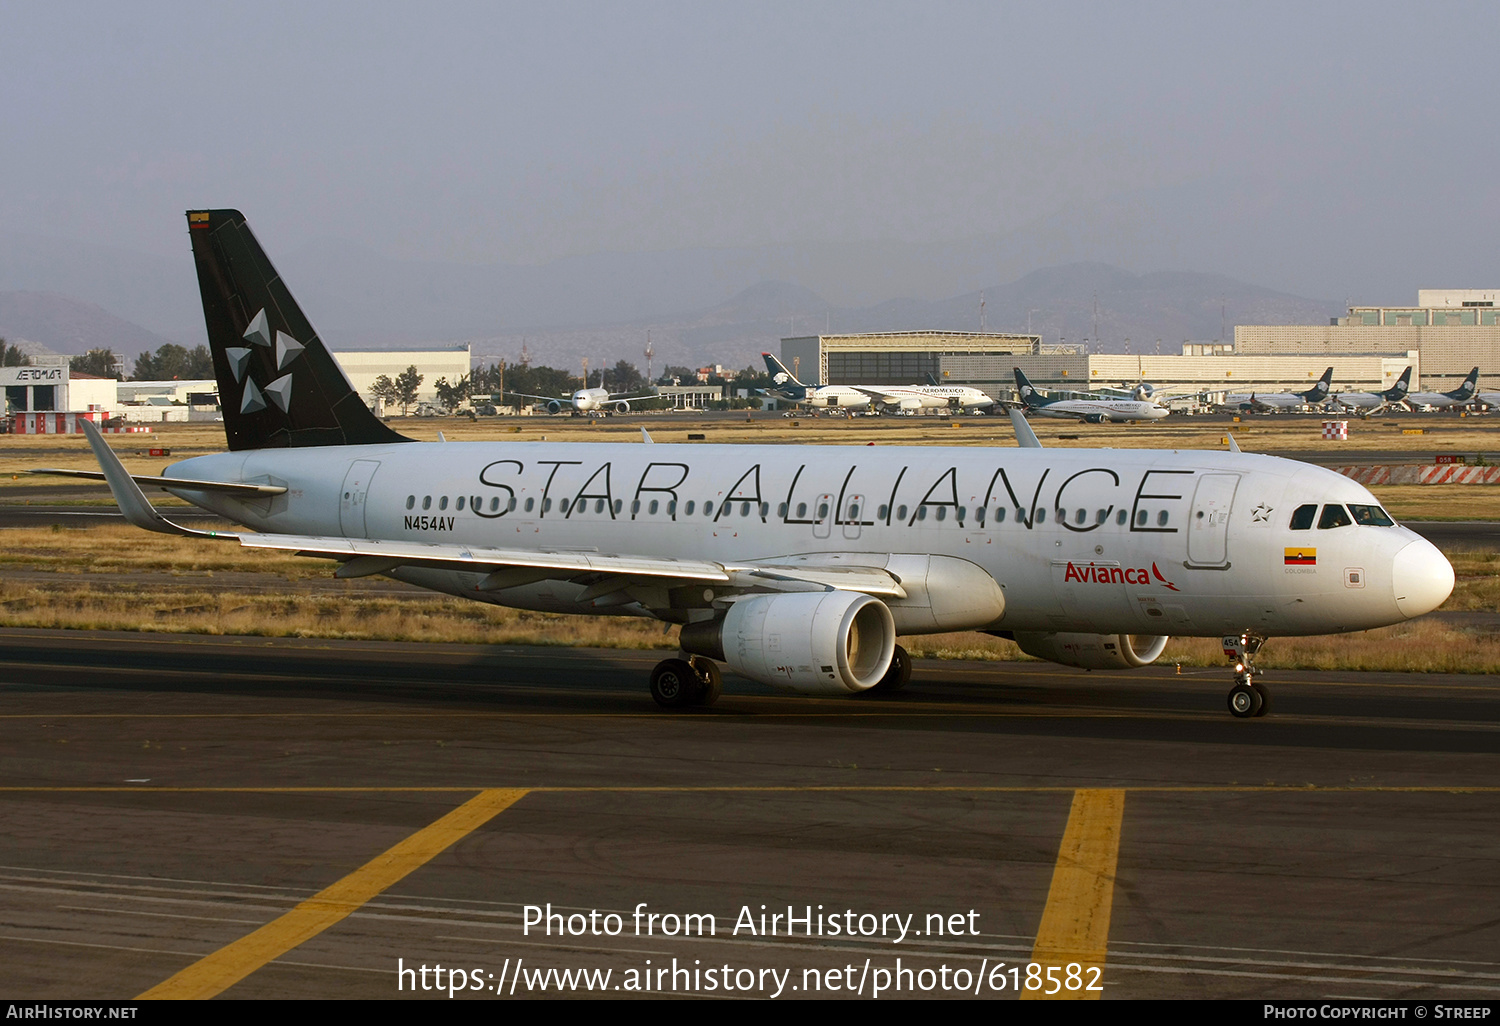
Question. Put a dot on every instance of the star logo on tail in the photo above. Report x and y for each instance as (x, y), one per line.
(286, 349)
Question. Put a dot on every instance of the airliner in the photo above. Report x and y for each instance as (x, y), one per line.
(886, 398)
(1367, 403)
(1091, 411)
(586, 400)
(796, 566)
(1273, 402)
(1460, 396)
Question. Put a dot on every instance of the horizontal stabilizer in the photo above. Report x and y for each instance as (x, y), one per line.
(175, 483)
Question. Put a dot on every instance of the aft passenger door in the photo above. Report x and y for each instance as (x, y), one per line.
(352, 499)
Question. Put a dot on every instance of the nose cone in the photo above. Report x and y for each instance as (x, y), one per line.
(1422, 579)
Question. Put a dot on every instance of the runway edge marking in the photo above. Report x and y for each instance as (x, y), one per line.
(217, 972)
(1075, 923)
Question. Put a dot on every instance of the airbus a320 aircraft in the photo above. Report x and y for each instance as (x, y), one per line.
(1090, 411)
(798, 566)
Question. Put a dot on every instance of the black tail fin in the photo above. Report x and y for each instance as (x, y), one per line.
(278, 385)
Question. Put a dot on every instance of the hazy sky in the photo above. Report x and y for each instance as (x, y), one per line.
(1326, 149)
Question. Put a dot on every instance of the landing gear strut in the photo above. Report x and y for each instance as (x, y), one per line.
(678, 683)
(1246, 698)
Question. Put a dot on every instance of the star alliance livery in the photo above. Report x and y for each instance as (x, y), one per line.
(796, 565)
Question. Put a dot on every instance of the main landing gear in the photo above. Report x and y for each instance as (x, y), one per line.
(678, 683)
(1246, 698)
(897, 676)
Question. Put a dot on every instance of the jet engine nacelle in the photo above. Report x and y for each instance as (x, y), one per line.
(1093, 651)
(555, 406)
(1096, 418)
(620, 407)
(1143, 392)
(910, 403)
(822, 643)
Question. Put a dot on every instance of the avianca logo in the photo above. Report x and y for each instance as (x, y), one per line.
(1094, 574)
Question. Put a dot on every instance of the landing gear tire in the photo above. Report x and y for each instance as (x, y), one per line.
(675, 684)
(1245, 701)
(1265, 699)
(897, 676)
(710, 678)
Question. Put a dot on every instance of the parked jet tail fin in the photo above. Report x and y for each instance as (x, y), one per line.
(278, 384)
(1029, 395)
(1465, 391)
(779, 374)
(1320, 388)
(1401, 387)
(932, 379)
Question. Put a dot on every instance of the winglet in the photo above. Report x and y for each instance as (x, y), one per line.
(128, 495)
(1233, 445)
(1024, 435)
(646, 436)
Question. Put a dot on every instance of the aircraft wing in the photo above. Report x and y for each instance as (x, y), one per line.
(543, 398)
(880, 396)
(174, 483)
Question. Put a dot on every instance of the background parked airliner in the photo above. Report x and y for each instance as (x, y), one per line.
(1273, 402)
(1460, 396)
(587, 400)
(905, 398)
(798, 566)
(1092, 411)
(1367, 403)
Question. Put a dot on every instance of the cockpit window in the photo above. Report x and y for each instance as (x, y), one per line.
(1303, 516)
(1371, 516)
(1333, 516)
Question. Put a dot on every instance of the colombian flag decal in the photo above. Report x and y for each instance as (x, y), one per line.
(1302, 557)
(198, 219)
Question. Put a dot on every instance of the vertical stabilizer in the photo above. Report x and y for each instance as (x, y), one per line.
(278, 385)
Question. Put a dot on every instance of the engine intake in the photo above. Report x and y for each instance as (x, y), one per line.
(827, 642)
(1094, 651)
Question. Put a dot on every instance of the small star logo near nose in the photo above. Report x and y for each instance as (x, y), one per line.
(1261, 514)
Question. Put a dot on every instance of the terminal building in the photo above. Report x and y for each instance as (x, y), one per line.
(1445, 334)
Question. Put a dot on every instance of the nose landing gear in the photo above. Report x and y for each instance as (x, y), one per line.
(1246, 698)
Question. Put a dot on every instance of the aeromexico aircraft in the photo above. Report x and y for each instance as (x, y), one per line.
(1464, 393)
(1091, 411)
(1366, 403)
(893, 398)
(797, 566)
(1272, 402)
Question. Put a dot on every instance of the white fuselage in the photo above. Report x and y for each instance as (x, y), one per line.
(1435, 400)
(936, 397)
(1269, 401)
(1103, 409)
(1147, 542)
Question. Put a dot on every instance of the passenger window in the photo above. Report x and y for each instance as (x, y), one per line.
(765, 508)
(619, 505)
(652, 508)
(921, 512)
(411, 500)
(882, 512)
(801, 510)
(1302, 517)
(1080, 516)
(1371, 516)
(546, 505)
(744, 509)
(781, 510)
(963, 511)
(1041, 516)
(460, 503)
(901, 513)
(1102, 517)
(598, 505)
(443, 502)
(562, 505)
(426, 502)
(688, 509)
(530, 505)
(1121, 517)
(822, 511)
(942, 512)
(708, 509)
(672, 507)
(1140, 518)
(1333, 516)
(979, 515)
(635, 507)
(1161, 519)
(854, 512)
(999, 514)
(509, 506)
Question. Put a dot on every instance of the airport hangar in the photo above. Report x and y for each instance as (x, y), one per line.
(1448, 332)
